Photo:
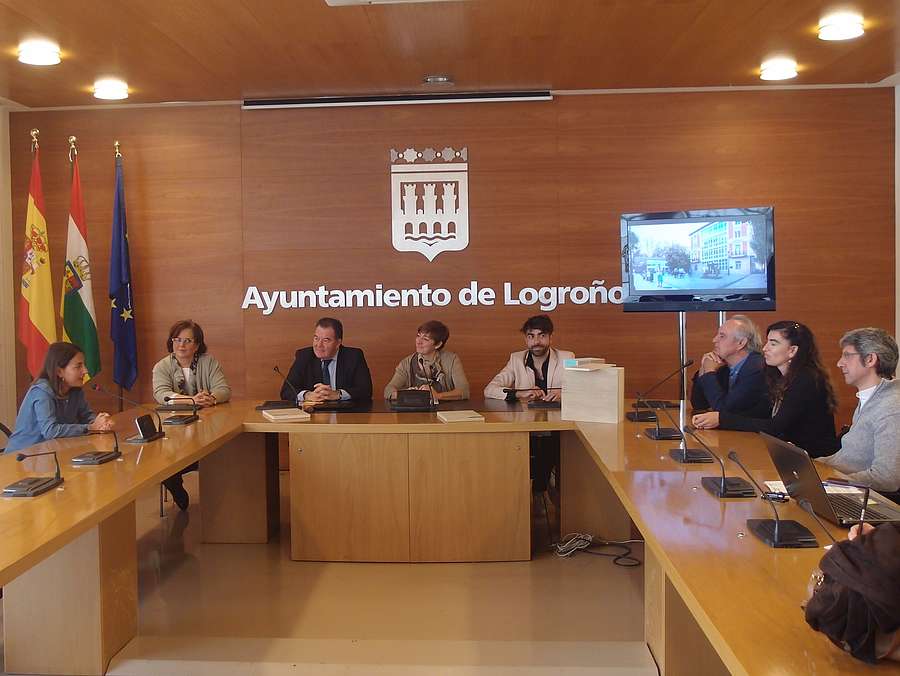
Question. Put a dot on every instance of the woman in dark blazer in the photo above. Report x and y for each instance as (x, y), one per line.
(801, 392)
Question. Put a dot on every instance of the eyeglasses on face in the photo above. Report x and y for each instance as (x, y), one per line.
(182, 341)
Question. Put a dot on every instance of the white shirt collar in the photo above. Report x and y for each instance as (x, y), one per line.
(866, 394)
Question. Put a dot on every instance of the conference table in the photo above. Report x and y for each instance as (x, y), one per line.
(389, 486)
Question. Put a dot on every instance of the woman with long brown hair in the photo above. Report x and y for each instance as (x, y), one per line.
(803, 400)
(54, 406)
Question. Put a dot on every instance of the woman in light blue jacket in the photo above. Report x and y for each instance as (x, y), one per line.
(54, 405)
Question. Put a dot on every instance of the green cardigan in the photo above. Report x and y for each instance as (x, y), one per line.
(167, 376)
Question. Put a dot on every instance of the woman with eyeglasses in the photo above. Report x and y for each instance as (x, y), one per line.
(803, 400)
(188, 371)
(430, 367)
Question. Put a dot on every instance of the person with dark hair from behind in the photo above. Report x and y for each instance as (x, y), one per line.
(188, 372)
(732, 377)
(870, 450)
(804, 402)
(54, 406)
(430, 367)
(329, 370)
(535, 373)
(854, 596)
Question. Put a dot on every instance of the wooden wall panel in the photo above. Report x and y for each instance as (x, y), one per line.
(290, 199)
(183, 195)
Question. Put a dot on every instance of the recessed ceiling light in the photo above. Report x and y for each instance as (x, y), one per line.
(437, 79)
(841, 26)
(111, 89)
(351, 3)
(779, 68)
(39, 52)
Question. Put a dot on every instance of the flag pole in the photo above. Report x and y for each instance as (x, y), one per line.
(121, 389)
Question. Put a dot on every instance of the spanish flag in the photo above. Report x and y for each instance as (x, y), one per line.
(37, 323)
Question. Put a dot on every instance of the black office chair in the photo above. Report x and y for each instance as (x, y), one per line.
(7, 432)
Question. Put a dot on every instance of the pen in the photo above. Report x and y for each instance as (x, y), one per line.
(862, 513)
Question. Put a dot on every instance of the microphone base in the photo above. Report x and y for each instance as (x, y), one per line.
(181, 419)
(96, 457)
(641, 416)
(690, 456)
(663, 434)
(145, 440)
(32, 486)
(791, 534)
(656, 403)
(735, 487)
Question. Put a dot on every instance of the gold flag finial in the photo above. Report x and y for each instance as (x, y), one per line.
(34, 139)
(116, 146)
(73, 151)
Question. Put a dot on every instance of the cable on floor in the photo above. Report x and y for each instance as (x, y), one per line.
(583, 542)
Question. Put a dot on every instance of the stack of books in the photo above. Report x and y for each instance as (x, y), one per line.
(460, 416)
(286, 415)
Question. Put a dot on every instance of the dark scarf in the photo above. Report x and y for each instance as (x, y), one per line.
(435, 377)
(180, 384)
(859, 596)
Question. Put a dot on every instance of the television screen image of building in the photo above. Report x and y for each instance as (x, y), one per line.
(726, 256)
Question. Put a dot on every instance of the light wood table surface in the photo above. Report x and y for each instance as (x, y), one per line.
(715, 601)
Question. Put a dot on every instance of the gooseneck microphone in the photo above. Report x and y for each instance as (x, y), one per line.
(98, 388)
(182, 418)
(21, 456)
(660, 433)
(777, 532)
(194, 406)
(289, 384)
(807, 507)
(649, 415)
(35, 485)
(724, 486)
(143, 438)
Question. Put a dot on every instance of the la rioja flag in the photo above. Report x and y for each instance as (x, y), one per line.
(77, 304)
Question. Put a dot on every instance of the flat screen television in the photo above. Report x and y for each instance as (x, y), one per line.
(698, 261)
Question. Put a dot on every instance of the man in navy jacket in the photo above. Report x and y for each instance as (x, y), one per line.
(733, 376)
(329, 370)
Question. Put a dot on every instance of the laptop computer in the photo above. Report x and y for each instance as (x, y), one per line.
(798, 472)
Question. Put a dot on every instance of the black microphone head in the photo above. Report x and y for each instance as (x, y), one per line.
(276, 369)
(689, 362)
(733, 456)
(20, 457)
(690, 429)
(804, 503)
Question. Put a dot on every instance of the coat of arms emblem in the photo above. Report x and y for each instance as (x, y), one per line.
(430, 200)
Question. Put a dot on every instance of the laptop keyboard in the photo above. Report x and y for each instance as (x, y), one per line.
(849, 509)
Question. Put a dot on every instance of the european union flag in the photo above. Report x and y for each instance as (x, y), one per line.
(121, 325)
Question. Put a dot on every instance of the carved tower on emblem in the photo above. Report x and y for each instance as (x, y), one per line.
(430, 200)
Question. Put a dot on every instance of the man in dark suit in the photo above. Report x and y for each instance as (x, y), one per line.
(329, 370)
(733, 376)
